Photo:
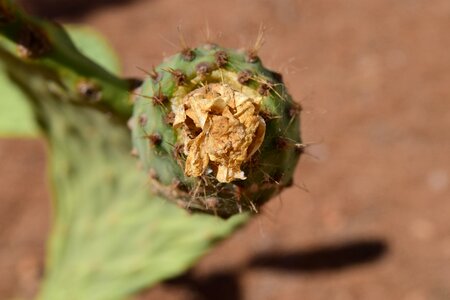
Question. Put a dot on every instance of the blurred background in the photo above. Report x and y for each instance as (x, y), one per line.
(369, 217)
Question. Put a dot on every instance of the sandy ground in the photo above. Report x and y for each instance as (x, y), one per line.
(373, 77)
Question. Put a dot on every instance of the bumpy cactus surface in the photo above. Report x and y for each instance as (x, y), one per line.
(216, 131)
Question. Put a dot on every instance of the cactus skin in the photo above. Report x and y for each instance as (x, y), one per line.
(47, 44)
(158, 144)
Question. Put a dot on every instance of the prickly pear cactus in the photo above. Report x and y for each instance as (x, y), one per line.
(216, 131)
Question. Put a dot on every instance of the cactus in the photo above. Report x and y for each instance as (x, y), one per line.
(216, 131)
(49, 46)
(112, 235)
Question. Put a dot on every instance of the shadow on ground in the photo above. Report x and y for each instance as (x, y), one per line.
(324, 259)
(224, 285)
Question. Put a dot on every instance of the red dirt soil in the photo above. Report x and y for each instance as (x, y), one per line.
(374, 80)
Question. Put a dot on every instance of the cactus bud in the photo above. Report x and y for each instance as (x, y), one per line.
(216, 126)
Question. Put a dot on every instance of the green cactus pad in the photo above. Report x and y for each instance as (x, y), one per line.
(110, 236)
(163, 149)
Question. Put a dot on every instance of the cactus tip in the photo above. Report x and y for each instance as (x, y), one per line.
(223, 119)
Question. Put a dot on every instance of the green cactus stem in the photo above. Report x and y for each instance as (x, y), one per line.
(216, 131)
(47, 44)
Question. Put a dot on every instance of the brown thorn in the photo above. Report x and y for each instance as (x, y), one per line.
(193, 194)
(203, 68)
(212, 203)
(282, 142)
(178, 151)
(244, 76)
(221, 58)
(186, 52)
(154, 138)
(294, 109)
(154, 75)
(271, 85)
(142, 120)
(267, 178)
(265, 88)
(178, 75)
(252, 53)
(292, 112)
(177, 184)
(153, 175)
(160, 98)
(302, 147)
(169, 118)
(140, 95)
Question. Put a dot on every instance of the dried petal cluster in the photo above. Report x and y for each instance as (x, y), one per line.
(221, 129)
